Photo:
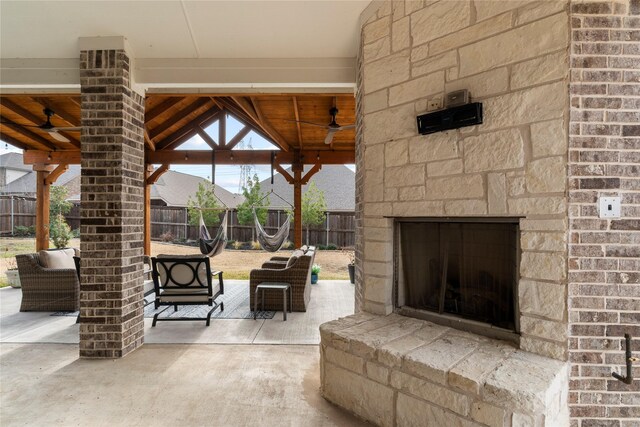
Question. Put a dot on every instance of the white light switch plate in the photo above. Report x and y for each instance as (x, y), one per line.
(609, 207)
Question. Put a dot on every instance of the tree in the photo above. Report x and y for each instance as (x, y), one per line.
(59, 231)
(204, 198)
(314, 208)
(58, 204)
(253, 198)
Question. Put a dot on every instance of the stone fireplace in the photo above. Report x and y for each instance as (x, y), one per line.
(459, 272)
(471, 328)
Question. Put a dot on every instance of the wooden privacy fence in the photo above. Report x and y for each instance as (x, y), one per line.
(172, 223)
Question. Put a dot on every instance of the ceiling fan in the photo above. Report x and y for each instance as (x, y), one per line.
(51, 129)
(332, 127)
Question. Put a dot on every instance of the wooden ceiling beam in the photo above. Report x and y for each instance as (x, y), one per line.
(286, 175)
(236, 139)
(222, 129)
(11, 140)
(316, 168)
(203, 157)
(27, 133)
(246, 118)
(161, 108)
(296, 111)
(176, 118)
(189, 130)
(261, 120)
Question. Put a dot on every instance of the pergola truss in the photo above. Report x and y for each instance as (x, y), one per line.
(172, 120)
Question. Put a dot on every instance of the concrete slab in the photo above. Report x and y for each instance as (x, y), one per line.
(329, 300)
(166, 385)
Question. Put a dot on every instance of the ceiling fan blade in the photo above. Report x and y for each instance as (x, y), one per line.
(66, 129)
(345, 127)
(57, 136)
(329, 136)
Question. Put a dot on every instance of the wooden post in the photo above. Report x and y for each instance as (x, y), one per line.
(297, 209)
(147, 210)
(42, 206)
(150, 178)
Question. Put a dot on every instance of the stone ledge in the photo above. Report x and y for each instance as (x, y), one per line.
(453, 370)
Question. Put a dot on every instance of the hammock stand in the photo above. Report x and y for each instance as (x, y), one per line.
(213, 246)
(272, 243)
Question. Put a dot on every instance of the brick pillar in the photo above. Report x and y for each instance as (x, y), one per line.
(604, 283)
(112, 207)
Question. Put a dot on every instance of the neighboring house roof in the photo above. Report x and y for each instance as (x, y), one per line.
(174, 188)
(337, 181)
(13, 161)
(26, 184)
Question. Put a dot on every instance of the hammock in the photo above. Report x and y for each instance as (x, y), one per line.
(212, 247)
(271, 243)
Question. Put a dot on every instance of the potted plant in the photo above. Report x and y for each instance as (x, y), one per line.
(13, 278)
(315, 270)
(350, 253)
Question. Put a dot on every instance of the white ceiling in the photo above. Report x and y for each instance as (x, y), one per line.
(184, 29)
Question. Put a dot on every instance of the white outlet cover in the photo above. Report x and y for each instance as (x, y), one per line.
(609, 207)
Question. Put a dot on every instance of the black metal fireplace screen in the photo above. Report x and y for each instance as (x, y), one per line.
(460, 269)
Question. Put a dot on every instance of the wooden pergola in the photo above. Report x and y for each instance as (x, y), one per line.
(171, 120)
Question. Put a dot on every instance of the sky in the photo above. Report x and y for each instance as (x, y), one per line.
(227, 176)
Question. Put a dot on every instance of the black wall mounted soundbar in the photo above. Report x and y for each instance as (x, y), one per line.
(450, 118)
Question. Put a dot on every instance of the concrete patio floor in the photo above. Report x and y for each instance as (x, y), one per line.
(237, 372)
(330, 299)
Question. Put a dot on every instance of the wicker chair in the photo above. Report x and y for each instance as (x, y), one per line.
(47, 289)
(298, 276)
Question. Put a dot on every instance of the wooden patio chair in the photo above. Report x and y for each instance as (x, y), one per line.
(185, 280)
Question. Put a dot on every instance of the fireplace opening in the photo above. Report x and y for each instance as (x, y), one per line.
(460, 272)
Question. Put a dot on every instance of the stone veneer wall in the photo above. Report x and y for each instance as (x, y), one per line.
(513, 57)
(604, 260)
(111, 225)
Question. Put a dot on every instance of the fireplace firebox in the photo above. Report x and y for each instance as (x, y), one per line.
(461, 272)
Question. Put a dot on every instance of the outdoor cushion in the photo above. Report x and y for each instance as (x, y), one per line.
(62, 258)
(304, 248)
(182, 274)
(297, 253)
(292, 261)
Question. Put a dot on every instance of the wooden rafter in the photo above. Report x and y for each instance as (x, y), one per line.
(180, 115)
(189, 130)
(297, 115)
(203, 157)
(148, 142)
(11, 140)
(55, 174)
(206, 137)
(236, 139)
(261, 119)
(25, 132)
(155, 175)
(69, 119)
(38, 120)
(161, 108)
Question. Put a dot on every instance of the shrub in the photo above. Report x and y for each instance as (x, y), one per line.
(60, 232)
(24, 231)
(255, 245)
(237, 245)
(167, 237)
(331, 247)
(287, 245)
(230, 244)
(76, 233)
(321, 247)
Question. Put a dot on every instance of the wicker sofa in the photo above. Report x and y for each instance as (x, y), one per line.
(296, 271)
(47, 289)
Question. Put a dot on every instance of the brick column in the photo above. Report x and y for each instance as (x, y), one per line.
(604, 283)
(112, 207)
